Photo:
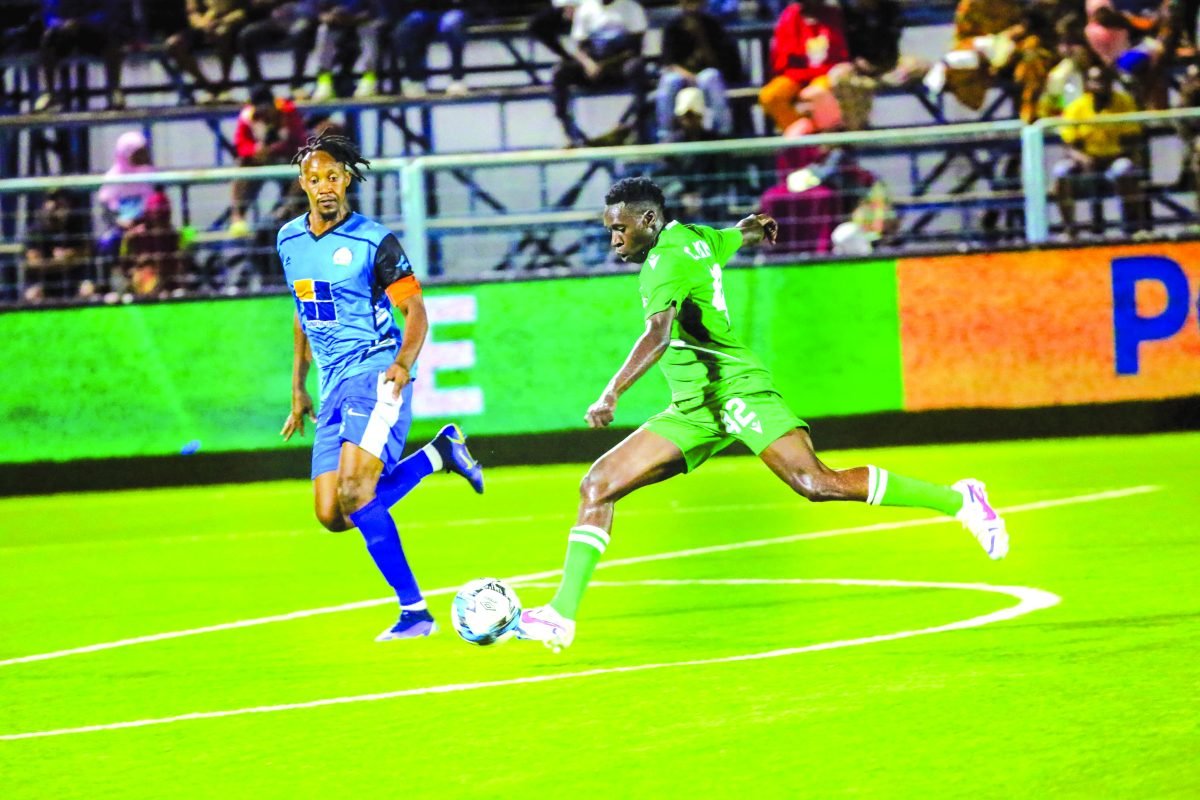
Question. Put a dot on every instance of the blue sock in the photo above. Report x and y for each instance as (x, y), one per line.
(383, 543)
(407, 474)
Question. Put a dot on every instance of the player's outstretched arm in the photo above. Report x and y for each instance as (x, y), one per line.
(302, 404)
(416, 328)
(646, 352)
(758, 227)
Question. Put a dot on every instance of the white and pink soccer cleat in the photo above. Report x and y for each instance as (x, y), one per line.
(978, 516)
(545, 625)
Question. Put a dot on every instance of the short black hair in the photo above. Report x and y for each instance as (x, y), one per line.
(635, 190)
(342, 148)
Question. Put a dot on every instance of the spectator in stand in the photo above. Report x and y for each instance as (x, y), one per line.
(689, 121)
(342, 21)
(551, 24)
(810, 38)
(819, 189)
(1064, 84)
(80, 26)
(1140, 48)
(979, 48)
(269, 131)
(122, 204)
(871, 224)
(697, 52)
(1036, 39)
(694, 184)
(155, 264)
(873, 30)
(292, 23)
(1099, 154)
(997, 37)
(214, 23)
(430, 21)
(605, 50)
(58, 248)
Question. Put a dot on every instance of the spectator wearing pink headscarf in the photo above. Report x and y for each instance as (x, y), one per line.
(122, 204)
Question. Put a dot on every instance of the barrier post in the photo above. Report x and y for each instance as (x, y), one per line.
(1033, 183)
(416, 212)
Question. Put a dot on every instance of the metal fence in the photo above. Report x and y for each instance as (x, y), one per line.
(1157, 198)
(832, 193)
(76, 238)
(949, 187)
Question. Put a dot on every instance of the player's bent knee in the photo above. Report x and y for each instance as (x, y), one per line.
(596, 488)
(332, 520)
(814, 486)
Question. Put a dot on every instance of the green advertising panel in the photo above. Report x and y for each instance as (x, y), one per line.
(503, 358)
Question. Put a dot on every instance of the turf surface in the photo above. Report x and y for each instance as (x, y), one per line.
(1095, 696)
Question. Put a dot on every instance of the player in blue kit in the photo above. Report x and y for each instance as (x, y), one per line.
(347, 273)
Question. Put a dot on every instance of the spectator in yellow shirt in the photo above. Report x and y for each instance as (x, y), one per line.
(1099, 154)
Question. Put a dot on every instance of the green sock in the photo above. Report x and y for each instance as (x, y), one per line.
(889, 489)
(585, 545)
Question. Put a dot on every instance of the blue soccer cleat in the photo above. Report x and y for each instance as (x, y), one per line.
(411, 625)
(451, 443)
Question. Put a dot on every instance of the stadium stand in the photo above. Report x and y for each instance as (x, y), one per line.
(912, 194)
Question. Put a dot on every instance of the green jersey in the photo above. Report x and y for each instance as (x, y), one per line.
(705, 361)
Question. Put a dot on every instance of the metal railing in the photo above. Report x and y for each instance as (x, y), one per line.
(462, 216)
(1037, 172)
(943, 170)
(209, 255)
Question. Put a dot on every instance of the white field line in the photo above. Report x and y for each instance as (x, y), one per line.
(1029, 600)
(616, 562)
(467, 522)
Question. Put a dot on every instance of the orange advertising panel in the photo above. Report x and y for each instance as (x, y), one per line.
(1012, 330)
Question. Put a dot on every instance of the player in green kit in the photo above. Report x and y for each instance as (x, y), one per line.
(719, 392)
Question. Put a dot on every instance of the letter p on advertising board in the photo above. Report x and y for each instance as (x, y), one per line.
(1053, 327)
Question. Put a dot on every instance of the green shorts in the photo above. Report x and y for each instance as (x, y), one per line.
(756, 420)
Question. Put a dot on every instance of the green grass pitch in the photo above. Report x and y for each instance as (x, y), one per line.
(1094, 696)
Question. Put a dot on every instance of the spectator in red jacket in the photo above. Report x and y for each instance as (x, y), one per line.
(810, 38)
(269, 131)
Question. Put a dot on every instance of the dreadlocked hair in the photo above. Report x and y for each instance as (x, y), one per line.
(341, 148)
(635, 191)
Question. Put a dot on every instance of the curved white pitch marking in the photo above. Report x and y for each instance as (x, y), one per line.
(617, 562)
(1030, 600)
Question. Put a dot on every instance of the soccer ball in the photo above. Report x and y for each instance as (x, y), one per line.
(486, 611)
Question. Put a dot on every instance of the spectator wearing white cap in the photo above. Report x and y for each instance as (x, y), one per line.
(690, 121)
(697, 180)
(697, 52)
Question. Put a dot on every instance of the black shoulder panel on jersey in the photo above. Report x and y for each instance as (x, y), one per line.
(391, 264)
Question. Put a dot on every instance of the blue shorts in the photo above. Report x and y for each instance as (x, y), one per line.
(361, 410)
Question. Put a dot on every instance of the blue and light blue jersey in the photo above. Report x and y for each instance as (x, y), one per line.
(339, 281)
